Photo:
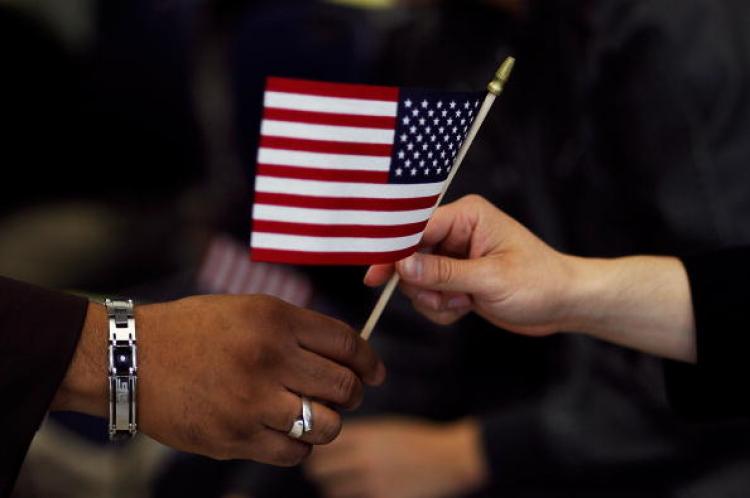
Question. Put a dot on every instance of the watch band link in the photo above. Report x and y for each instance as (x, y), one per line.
(123, 369)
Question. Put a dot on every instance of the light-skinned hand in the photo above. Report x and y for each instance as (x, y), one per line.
(483, 261)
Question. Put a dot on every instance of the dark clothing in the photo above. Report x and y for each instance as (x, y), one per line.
(39, 331)
(721, 302)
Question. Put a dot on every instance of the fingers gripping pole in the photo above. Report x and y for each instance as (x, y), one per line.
(494, 89)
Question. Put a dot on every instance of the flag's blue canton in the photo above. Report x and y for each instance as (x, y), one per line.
(430, 129)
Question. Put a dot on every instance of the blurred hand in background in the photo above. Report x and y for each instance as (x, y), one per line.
(400, 458)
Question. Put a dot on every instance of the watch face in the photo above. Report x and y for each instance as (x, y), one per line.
(123, 359)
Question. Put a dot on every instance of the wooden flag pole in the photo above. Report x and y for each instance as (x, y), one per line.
(494, 89)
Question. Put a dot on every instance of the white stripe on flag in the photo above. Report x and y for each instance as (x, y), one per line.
(338, 217)
(307, 131)
(317, 188)
(332, 105)
(324, 161)
(331, 244)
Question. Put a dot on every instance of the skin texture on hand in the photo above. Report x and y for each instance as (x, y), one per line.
(222, 375)
(484, 261)
(400, 458)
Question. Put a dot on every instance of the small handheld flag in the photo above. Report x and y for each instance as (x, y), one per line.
(350, 174)
(494, 89)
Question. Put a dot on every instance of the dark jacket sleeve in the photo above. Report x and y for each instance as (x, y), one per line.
(39, 331)
(721, 303)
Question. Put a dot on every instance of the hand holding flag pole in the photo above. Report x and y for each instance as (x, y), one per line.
(494, 89)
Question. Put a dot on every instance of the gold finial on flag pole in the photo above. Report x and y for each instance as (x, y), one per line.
(494, 89)
(502, 76)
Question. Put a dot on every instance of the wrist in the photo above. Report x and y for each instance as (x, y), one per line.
(640, 302)
(466, 451)
(579, 297)
(84, 388)
(593, 293)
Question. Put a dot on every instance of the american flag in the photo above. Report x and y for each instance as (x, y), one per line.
(350, 174)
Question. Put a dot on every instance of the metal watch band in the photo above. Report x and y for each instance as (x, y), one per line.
(123, 369)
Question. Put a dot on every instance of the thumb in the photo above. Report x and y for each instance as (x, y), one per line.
(440, 273)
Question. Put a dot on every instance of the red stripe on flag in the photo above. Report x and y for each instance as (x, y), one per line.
(326, 147)
(338, 230)
(325, 175)
(324, 89)
(355, 203)
(322, 118)
(329, 258)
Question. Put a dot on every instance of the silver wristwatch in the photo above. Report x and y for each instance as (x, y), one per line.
(123, 369)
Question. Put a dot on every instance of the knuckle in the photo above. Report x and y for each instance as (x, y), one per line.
(473, 200)
(348, 346)
(444, 270)
(346, 387)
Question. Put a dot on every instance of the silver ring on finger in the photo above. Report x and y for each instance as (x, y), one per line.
(307, 415)
(298, 428)
(304, 423)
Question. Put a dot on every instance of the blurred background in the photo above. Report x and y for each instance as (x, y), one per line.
(127, 153)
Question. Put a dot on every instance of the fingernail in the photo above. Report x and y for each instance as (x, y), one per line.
(458, 302)
(411, 267)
